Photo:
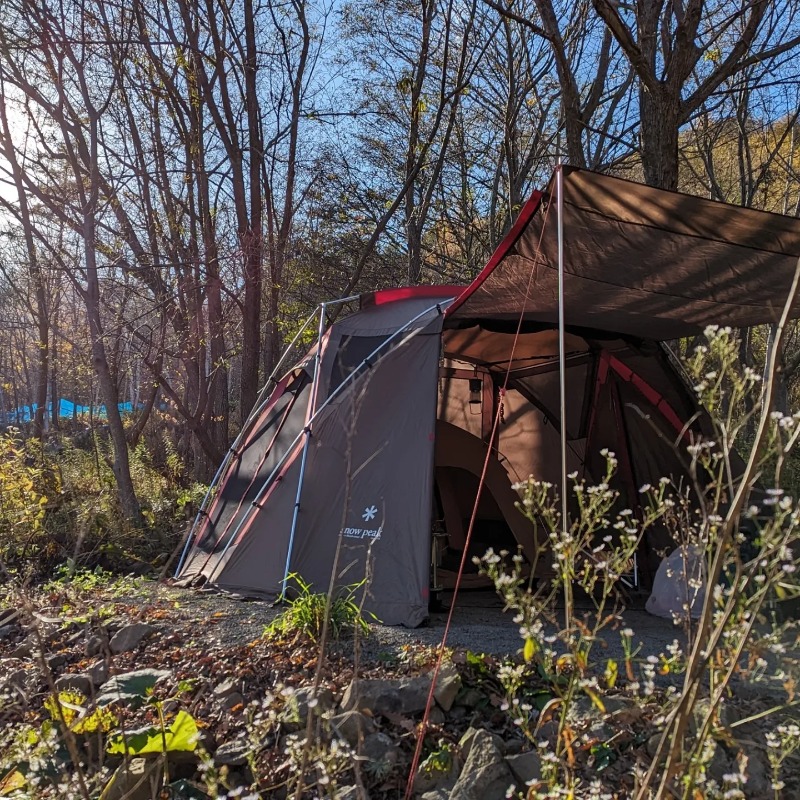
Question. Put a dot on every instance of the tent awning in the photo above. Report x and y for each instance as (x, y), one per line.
(639, 261)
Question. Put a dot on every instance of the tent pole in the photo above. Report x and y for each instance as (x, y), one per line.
(260, 402)
(345, 384)
(562, 374)
(312, 405)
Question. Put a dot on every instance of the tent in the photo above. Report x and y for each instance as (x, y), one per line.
(374, 445)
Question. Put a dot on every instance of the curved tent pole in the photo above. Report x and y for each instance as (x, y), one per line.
(260, 403)
(312, 404)
(333, 396)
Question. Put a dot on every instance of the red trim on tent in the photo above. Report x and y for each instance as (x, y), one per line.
(649, 393)
(528, 210)
(382, 297)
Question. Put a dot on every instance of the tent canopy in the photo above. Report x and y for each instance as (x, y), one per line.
(639, 261)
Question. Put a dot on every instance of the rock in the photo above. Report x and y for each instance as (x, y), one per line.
(701, 709)
(130, 637)
(582, 708)
(55, 661)
(77, 683)
(759, 774)
(525, 767)
(225, 688)
(652, 745)
(304, 698)
(377, 696)
(351, 793)
(435, 794)
(438, 772)
(352, 726)
(513, 747)
(486, 775)
(437, 716)
(233, 754)
(16, 680)
(140, 779)
(23, 650)
(9, 615)
(471, 698)
(94, 645)
(465, 742)
(402, 696)
(232, 701)
(98, 672)
(448, 685)
(7, 631)
(378, 747)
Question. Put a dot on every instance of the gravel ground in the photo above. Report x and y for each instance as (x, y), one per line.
(479, 624)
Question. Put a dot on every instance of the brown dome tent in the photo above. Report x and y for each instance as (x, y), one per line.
(385, 429)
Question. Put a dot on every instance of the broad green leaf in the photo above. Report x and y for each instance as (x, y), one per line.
(180, 736)
(12, 782)
(131, 687)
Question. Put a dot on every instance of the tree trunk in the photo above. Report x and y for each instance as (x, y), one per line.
(659, 138)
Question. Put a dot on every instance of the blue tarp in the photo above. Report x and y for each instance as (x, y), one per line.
(66, 409)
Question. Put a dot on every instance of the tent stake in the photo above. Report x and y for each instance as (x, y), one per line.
(562, 374)
(312, 407)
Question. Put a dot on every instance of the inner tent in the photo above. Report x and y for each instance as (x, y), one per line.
(623, 396)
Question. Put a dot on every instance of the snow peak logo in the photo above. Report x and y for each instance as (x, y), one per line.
(362, 533)
(368, 515)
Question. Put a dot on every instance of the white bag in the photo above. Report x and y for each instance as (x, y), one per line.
(679, 587)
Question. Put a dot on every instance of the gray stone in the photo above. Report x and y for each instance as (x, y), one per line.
(350, 793)
(448, 685)
(759, 774)
(486, 775)
(402, 696)
(436, 794)
(23, 650)
(465, 742)
(471, 698)
(526, 767)
(467, 739)
(232, 700)
(140, 779)
(581, 709)
(16, 680)
(55, 661)
(352, 726)
(437, 716)
(77, 683)
(98, 672)
(130, 637)
(94, 645)
(652, 745)
(438, 772)
(513, 746)
(232, 754)
(379, 747)
(7, 631)
(225, 688)
(8, 615)
(304, 698)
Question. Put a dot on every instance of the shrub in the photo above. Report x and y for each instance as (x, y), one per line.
(305, 613)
